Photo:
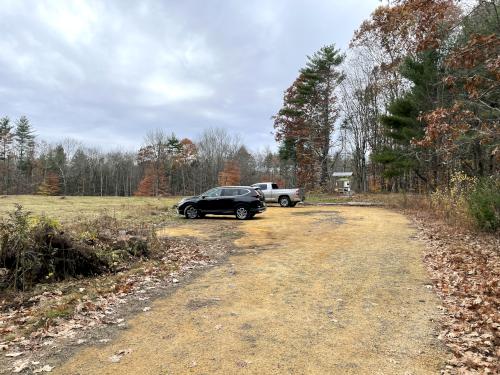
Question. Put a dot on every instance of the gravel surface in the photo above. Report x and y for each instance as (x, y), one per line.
(302, 295)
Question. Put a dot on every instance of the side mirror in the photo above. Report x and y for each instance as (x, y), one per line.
(203, 196)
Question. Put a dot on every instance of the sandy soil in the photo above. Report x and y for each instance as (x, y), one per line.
(312, 290)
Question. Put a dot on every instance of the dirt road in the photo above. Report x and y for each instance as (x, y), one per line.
(312, 290)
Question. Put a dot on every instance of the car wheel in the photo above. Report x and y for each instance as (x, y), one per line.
(191, 212)
(242, 213)
(284, 201)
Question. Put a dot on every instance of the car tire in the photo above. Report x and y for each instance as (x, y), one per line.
(191, 212)
(242, 213)
(284, 201)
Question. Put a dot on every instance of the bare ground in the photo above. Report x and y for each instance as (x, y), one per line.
(336, 291)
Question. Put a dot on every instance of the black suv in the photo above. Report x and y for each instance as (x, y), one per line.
(242, 201)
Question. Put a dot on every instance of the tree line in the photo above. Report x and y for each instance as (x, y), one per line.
(164, 165)
(412, 101)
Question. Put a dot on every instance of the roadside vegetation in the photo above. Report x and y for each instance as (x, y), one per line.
(38, 249)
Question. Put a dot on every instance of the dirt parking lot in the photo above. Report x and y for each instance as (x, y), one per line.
(311, 290)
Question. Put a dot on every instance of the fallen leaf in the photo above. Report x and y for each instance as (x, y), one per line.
(14, 354)
(119, 355)
(20, 366)
(115, 358)
(46, 368)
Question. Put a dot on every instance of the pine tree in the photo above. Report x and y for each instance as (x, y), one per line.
(306, 121)
(6, 139)
(403, 125)
(24, 142)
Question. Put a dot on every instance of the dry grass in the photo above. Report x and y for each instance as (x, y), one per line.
(70, 209)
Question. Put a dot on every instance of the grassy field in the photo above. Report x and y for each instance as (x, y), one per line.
(151, 210)
(71, 209)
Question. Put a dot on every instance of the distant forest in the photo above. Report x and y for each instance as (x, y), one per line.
(164, 165)
(413, 102)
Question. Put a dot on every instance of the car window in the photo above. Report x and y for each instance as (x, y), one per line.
(275, 186)
(229, 192)
(215, 192)
(243, 191)
(263, 186)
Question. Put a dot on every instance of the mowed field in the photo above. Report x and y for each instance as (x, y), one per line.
(70, 209)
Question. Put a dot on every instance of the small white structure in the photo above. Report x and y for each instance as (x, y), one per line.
(342, 181)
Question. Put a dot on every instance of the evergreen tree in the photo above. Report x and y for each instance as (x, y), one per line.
(309, 113)
(6, 139)
(403, 125)
(24, 142)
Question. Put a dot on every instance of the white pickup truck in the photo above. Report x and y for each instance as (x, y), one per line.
(285, 197)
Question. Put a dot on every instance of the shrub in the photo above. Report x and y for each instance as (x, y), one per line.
(38, 249)
(484, 204)
(451, 203)
(34, 249)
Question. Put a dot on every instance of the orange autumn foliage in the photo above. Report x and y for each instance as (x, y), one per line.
(152, 184)
(230, 175)
(50, 185)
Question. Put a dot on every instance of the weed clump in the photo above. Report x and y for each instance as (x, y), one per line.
(38, 249)
(484, 204)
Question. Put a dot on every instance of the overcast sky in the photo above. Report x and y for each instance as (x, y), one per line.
(106, 72)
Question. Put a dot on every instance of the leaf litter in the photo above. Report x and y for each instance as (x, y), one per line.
(465, 269)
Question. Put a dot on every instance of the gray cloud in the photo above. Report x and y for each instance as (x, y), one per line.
(108, 72)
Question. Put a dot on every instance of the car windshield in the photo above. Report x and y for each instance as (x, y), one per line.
(215, 192)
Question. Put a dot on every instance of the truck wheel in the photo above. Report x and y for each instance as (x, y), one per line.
(242, 213)
(284, 201)
(191, 212)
